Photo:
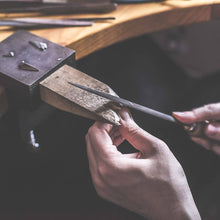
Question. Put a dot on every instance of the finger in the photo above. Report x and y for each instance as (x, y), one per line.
(136, 155)
(103, 126)
(90, 155)
(125, 114)
(213, 131)
(116, 137)
(136, 136)
(115, 134)
(118, 140)
(205, 143)
(100, 140)
(207, 112)
(93, 166)
(216, 149)
(113, 131)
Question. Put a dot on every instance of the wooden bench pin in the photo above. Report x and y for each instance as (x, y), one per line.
(34, 69)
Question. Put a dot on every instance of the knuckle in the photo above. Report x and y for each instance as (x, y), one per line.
(210, 107)
(132, 130)
(160, 145)
(195, 112)
(91, 130)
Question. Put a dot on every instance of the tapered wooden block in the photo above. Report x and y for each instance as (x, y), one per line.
(56, 91)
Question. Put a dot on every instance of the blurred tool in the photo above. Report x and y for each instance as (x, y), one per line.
(55, 7)
(134, 1)
(195, 129)
(43, 23)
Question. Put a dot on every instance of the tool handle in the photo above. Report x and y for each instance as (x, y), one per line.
(197, 129)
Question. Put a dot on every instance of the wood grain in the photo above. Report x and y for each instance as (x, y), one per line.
(131, 20)
(56, 91)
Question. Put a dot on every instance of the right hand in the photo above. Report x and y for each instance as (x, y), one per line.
(211, 113)
(151, 182)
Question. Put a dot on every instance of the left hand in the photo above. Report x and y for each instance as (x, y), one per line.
(150, 182)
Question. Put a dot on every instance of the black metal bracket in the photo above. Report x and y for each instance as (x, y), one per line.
(25, 60)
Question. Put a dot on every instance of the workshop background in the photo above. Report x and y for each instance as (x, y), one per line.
(172, 70)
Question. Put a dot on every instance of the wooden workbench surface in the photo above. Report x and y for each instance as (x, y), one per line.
(131, 20)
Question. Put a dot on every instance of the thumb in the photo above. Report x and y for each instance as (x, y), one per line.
(207, 112)
(136, 136)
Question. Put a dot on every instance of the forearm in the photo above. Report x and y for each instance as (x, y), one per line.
(186, 209)
(182, 211)
(174, 199)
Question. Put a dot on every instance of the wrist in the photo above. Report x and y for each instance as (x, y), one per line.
(186, 209)
(178, 207)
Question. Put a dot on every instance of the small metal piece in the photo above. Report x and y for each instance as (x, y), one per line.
(26, 66)
(94, 19)
(190, 128)
(40, 45)
(54, 22)
(14, 23)
(10, 54)
(197, 129)
(134, 1)
(34, 145)
(60, 8)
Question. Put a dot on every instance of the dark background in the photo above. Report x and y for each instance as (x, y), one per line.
(55, 183)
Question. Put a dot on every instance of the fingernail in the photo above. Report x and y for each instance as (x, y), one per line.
(124, 115)
(181, 114)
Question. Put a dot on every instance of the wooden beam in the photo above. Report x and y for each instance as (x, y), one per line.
(56, 91)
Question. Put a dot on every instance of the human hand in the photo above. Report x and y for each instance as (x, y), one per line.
(211, 113)
(150, 182)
